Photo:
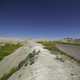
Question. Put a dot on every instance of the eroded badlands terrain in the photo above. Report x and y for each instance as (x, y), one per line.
(39, 64)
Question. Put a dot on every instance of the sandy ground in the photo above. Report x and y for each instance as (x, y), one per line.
(72, 50)
(47, 67)
(13, 60)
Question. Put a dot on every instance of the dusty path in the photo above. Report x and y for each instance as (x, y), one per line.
(72, 50)
(47, 67)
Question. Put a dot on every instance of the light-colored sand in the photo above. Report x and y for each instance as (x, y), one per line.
(13, 60)
(47, 67)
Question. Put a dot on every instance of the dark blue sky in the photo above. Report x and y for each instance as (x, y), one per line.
(40, 18)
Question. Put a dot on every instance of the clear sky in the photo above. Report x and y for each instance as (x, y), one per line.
(40, 18)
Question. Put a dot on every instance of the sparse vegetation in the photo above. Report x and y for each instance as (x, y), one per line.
(29, 60)
(51, 45)
(67, 43)
(7, 49)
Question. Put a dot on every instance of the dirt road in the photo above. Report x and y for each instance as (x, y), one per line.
(47, 67)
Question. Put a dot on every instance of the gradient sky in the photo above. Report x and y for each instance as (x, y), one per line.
(40, 18)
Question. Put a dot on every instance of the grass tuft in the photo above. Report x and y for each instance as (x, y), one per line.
(7, 49)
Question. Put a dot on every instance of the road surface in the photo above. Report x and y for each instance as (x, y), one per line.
(47, 67)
